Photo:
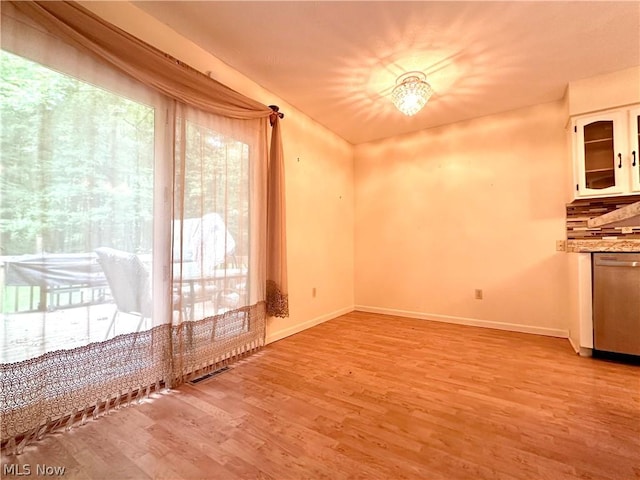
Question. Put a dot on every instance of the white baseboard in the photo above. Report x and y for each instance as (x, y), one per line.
(573, 345)
(286, 332)
(474, 322)
(586, 352)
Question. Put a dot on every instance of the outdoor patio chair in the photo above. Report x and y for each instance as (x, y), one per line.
(130, 285)
(129, 282)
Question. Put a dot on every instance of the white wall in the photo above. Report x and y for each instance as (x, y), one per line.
(473, 205)
(605, 91)
(319, 187)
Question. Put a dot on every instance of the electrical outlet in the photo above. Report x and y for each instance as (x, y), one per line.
(478, 294)
(561, 245)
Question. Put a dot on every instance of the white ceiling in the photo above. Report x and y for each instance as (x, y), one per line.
(338, 61)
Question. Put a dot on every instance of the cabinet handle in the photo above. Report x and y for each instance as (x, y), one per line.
(619, 160)
(633, 154)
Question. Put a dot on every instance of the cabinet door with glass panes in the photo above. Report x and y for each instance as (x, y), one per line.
(600, 149)
(634, 133)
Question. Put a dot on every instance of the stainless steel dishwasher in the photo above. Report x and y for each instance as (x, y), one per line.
(616, 302)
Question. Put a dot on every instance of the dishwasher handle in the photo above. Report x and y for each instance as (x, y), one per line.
(616, 263)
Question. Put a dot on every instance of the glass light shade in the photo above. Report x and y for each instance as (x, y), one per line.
(411, 93)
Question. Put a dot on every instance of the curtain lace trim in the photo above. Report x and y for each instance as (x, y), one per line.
(203, 346)
(277, 301)
(65, 388)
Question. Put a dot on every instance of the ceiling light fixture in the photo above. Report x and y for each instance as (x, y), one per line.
(411, 93)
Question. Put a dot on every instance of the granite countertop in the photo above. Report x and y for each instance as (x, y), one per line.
(629, 215)
(603, 245)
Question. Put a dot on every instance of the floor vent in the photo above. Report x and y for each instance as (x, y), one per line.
(209, 375)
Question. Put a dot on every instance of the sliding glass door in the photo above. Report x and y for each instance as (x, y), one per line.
(76, 206)
(132, 230)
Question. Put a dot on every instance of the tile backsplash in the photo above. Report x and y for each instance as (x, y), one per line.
(580, 211)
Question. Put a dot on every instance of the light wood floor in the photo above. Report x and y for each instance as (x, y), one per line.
(380, 397)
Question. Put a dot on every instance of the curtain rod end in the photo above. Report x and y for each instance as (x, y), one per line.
(276, 113)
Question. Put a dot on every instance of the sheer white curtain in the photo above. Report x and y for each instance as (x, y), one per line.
(218, 239)
(85, 236)
(83, 151)
(91, 34)
(133, 233)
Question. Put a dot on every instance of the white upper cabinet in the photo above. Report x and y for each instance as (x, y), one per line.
(605, 151)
